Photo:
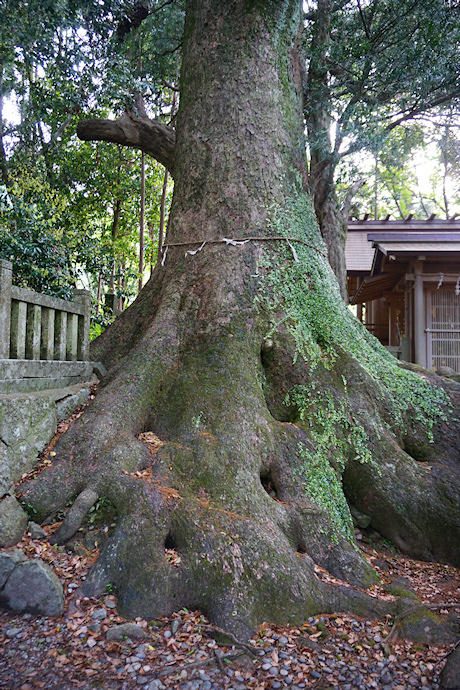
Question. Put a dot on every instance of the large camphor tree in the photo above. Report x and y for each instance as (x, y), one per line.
(273, 404)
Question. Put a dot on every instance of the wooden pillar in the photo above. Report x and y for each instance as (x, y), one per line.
(419, 316)
(359, 306)
(369, 313)
(407, 355)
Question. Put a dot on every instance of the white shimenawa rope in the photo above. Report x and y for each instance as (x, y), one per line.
(228, 241)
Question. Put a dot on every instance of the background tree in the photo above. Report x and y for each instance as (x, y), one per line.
(416, 172)
(241, 356)
(373, 67)
(92, 233)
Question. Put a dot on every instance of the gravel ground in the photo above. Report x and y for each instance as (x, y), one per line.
(77, 649)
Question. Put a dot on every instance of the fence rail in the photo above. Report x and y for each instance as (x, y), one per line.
(39, 327)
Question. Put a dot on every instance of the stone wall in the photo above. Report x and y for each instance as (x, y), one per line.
(28, 422)
(44, 376)
(24, 375)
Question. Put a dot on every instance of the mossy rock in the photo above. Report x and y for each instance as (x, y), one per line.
(400, 591)
(425, 627)
(400, 587)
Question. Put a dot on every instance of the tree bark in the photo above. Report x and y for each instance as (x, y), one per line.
(161, 231)
(240, 355)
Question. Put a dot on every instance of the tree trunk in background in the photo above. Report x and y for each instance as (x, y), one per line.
(323, 156)
(142, 223)
(240, 355)
(3, 158)
(115, 221)
(161, 232)
(99, 293)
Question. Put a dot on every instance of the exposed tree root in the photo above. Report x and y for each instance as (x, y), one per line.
(75, 516)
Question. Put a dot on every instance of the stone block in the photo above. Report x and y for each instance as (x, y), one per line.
(65, 407)
(27, 425)
(450, 675)
(6, 268)
(14, 416)
(11, 386)
(18, 330)
(8, 562)
(13, 522)
(33, 587)
(72, 337)
(36, 532)
(47, 340)
(42, 300)
(359, 519)
(34, 331)
(99, 369)
(131, 630)
(25, 368)
(28, 422)
(60, 339)
(5, 475)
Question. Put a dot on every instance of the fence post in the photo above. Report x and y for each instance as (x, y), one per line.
(72, 337)
(60, 326)
(6, 272)
(18, 329)
(34, 331)
(47, 344)
(83, 297)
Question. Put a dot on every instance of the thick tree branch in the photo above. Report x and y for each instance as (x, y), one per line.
(155, 139)
(425, 107)
(363, 20)
(351, 191)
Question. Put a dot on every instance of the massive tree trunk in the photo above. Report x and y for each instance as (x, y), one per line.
(240, 355)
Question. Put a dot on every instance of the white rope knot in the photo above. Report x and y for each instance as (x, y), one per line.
(195, 251)
(234, 243)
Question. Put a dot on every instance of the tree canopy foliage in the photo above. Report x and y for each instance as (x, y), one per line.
(386, 63)
(374, 73)
(73, 207)
(374, 68)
